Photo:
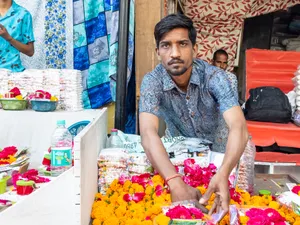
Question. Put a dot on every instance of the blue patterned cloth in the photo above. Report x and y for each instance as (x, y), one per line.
(18, 23)
(55, 34)
(196, 113)
(96, 48)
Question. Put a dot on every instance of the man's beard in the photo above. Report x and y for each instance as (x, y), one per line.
(177, 72)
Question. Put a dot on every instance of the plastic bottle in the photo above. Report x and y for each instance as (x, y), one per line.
(245, 179)
(114, 140)
(61, 149)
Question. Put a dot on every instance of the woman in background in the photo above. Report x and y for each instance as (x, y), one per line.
(16, 35)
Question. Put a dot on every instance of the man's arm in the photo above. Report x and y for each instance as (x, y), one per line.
(153, 145)
(159, 159)
(27, 49)
(237, 140)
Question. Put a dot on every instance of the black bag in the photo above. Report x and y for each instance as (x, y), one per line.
(268, 104)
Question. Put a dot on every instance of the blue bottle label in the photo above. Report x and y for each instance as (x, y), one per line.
(61, 156)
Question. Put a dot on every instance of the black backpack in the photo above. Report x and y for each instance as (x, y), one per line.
(268, 104)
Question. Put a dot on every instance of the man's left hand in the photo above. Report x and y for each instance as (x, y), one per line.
(4, 33)
(219, 186)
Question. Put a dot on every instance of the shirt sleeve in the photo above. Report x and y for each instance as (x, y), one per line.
(150, 96)
(221, 89)
(27, 29)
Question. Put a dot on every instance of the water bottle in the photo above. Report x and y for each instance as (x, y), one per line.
(61, 149)
(114, 141)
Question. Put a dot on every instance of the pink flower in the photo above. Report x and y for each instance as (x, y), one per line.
(234, 195)
(253, 212)
(142, 179)
(258, 220)
(127, 197)
(158, 190)
(123, 179)
(15, 91)
(179, 212)
(296, 189)
(137, 197)
(196, 213)
(47, 95)
(189, 162)
(273, 215)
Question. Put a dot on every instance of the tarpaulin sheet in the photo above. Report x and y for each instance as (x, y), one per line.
(277, 157)
(272, 68)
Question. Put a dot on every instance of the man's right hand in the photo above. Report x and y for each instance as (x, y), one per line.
(181, 192)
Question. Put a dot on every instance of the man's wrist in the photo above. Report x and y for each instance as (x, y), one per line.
(176, 182)
(9, 39)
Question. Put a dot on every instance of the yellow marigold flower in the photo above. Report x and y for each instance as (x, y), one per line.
(133, 222)
(120, 211)
(112, 221)
(244, 219)
(161, 219)
(96, 222)
(11, 159)
(274, 205)
(155, 209)
(201, 189)
(138, 188)
(289, 218)
(149, 190)
(131, 191)
(147, 222)
(225, 220)
(127, 185)
(157, 179)
(297, 222)
(98, 196)
(115, 185)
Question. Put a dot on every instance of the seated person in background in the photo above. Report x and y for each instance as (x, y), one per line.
(16, 35)
(220, 59)
(189, 95)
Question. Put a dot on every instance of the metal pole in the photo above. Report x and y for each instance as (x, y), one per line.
(120, 113)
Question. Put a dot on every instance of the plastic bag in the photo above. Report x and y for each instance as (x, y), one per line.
(245, 176)
(296, 118)
(189, 147)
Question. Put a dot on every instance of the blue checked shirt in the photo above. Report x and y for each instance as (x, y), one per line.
(18, 23)
(196, 113)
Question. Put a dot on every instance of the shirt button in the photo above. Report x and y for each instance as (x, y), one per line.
(187, 97)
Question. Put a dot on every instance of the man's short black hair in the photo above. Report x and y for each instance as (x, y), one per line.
(171, 22)
(220, 52)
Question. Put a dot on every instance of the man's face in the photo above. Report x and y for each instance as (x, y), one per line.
(176, 51)
(221, 61)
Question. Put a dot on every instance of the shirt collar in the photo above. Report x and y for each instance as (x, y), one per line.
(11, 10)
(169, 84)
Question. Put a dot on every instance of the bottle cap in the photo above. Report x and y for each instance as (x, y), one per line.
(61, 122)
(264, 192)
(114, 130)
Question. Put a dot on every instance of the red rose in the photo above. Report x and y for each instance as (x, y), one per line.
(15, 92)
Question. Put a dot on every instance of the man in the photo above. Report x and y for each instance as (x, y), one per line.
(220, 59)
(189, 94)
(16, 35)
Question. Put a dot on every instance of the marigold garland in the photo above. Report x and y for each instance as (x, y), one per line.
(139, 201)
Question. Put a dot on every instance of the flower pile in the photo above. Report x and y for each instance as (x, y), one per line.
(13, 93)
(139, 200)
(7, 155)
(182, 212)
(42, 95)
